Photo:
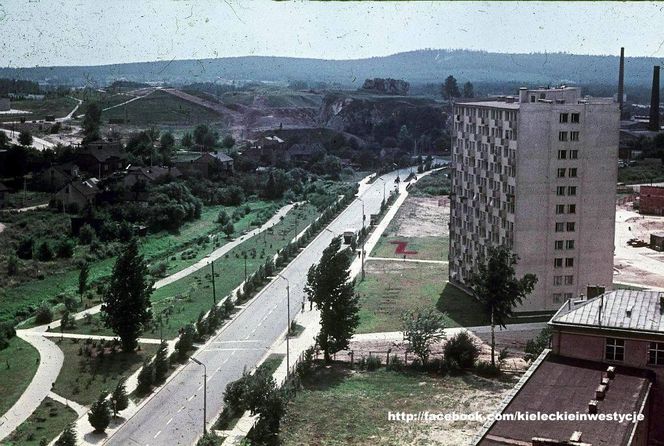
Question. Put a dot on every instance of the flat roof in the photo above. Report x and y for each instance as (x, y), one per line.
(561, 384)
(631, 310)
(493, 104)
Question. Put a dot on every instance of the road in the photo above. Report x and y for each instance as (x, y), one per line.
(174, 415)
(38, 143)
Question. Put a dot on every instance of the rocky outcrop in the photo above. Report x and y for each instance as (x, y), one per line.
(387, 86)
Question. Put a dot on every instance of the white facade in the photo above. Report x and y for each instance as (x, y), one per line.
(538, 174)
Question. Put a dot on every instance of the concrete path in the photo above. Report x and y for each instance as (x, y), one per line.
(38, 143)
(54, 334)
(80, 410)
(50, 363)
(29, 208)
(397, 259)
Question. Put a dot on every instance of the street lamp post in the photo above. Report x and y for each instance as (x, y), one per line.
(383, 188)
(288, 324)
(204, 393)
(330, 231)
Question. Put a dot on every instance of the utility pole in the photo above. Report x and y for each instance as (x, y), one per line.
(288, 323)
(214, 290)
(204, 392)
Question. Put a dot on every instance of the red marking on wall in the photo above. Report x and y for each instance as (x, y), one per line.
(401, 247)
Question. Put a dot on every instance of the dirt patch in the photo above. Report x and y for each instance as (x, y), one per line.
(421, 217)
(627, 272)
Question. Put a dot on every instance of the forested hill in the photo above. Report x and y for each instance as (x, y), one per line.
(423, 66)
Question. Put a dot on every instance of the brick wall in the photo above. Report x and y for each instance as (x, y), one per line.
(652, 200)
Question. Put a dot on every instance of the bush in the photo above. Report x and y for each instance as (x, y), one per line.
(461, 352)
(43, 314)
(161, 363)
(534, 347)
(100, 414)
(44, 252)
(64, 249)
(145, 378)
(223, 218)
(86, 234)
(68, 436)
(209, 439)
(485, 368)
(24, 249)
(186, 342)
(373, 363)
(12, 265)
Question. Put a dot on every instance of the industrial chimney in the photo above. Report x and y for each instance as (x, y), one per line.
(621, 79)
(654, 101)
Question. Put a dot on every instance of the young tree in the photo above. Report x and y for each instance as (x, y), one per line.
(25, 138)
(126, 307)
(145, 377)
(450, 89)
(187, 140)
(534, 347)
(228, 229)
(68, 436)
(468, 90)
(91, 122)
(330, 288)
(421, 329)
(166, 142)
(119, 398)
(44, 252)
(100, 414)
(161, 363)
(495, 285)
(83, 279)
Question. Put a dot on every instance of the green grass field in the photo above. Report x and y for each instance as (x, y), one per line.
(58, 107)
(18, 364)
(425, 248)
(162, 108)
(82, 378)
(187, 297)
(339, 406)
(45, 423)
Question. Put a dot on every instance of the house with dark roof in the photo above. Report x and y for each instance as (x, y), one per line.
(606, 357)
(148, 175)
(204, 164)
(3, 190)
(101, 158)
(303, 153)
(81, 193)
(57, 176)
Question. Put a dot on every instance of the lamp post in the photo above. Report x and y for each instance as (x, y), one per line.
(364, 217)
(330, 231)
(383, 188)
(288, 324)
(204, 392)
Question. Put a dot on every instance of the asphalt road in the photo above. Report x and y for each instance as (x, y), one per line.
(174, 415)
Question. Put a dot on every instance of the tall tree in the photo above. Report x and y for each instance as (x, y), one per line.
(450, 89)
(330, 288)
(83, 279)
(126, 307)
(91, 122)
(468, 90)
(25, 138)
(498, 289)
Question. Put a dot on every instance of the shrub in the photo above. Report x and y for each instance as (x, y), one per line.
(43, 314)
(209, 439)
(68, 436)
(64, 249)
(461, 351)
(373, 363)
(100, 414)
(223, 218)
(86, 234)
(534, 347)
(12, 265)
(24, 249)
(145, 378)
(44, 252)
(161, 363)
(186, 342)
(485, 368)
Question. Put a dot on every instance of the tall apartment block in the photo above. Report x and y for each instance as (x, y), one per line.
(536, 173)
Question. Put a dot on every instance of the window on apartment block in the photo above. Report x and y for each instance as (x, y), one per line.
(569, 262)
(573, 154)
(558, 244)
(562, 136)
(615, 349)
(572, 172)
(560, 209)
(571, 209)
(557, 298)
(567, 296)
(560, 190)
(569, 244)
(571, 226)
(573, 136)
(557, 280)
(569, 280)
(656, 353)
(575, 118)
(561, 173)
(558, 262)
(571, 190)
(564, 117)
(562, 154)
(560, 227)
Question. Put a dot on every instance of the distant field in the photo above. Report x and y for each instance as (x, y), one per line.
(18, 364)
(162, 108)
(272, 98)
(58, 107)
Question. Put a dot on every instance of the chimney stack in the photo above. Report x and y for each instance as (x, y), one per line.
(654, 101)
(621, 79)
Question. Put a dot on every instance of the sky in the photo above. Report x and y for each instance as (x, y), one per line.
(97, 32)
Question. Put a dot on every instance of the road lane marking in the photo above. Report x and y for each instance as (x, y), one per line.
(180, 410)
(169, 422)
(157, 434)
(233, 350)
(191, 397)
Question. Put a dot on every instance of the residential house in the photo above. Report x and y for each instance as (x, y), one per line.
(148, 175)
(266, 150)
(3, 190)
(101, 158)
(303, 153)
(607, 356)
(204, 164)
(57, 176)
(81, 193)
(651, 200)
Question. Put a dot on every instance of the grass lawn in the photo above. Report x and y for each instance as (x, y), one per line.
(425, 248)
(84, 377)
(160, 107)
(46, 422)
(18, 364)
(271, 364)
(339, 406)
(187, 297)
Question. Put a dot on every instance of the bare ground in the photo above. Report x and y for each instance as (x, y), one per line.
(421, 217)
